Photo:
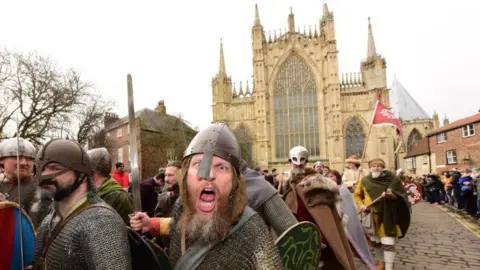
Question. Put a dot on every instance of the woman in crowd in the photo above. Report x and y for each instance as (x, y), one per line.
(353, 227)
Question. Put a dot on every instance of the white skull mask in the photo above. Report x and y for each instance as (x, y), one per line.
(298, 155)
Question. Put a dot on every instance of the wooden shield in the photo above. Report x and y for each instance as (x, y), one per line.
(15, 228)
(143, 255)
(300, 246)
(161, 255)
(415, 192)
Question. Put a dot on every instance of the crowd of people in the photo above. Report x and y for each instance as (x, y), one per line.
(209, 210)
(458, 189)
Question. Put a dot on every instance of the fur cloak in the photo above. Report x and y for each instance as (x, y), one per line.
(322, 199)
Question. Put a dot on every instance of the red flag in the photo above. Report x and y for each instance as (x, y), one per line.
(384, 117)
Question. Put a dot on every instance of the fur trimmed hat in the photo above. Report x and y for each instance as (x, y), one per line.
(353, 159)
(378, 161)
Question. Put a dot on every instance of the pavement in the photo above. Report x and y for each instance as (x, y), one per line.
(438, 238)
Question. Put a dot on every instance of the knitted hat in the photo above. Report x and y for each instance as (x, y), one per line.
(353, 159)
(378, 161)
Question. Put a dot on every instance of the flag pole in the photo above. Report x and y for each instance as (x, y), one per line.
(365, 146)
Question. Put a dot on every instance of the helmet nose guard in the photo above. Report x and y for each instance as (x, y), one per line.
(215, 140)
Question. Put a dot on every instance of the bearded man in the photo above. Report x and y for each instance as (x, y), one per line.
(11, 181)
(314, 198)
(212, 227)
(390, 216)
(166, 200)
(107, 188)
(83, 232)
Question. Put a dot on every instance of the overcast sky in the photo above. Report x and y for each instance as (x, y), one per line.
(171, 48)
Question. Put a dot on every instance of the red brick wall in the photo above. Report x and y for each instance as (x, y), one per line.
(117, 142)
(466, 147)
(152, 147)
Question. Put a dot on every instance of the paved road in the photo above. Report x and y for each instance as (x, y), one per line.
(438, 239)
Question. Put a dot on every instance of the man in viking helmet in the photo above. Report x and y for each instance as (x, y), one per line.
(83, 232)
(22, 178)
(313, 197)
(212, 227)
(107, 188)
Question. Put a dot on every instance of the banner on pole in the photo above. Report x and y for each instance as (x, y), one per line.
(383, 116)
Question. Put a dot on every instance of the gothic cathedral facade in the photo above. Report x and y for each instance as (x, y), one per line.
(298, 97)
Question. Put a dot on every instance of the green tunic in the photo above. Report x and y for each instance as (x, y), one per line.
(114, 195)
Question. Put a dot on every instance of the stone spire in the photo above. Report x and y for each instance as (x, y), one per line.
(222, 70)
(326, 12)
(372, 51)
(445, 120)
(436, 120)
(291, 22)
(257, 17)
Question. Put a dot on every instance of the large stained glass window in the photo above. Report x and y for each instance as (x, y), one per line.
(413, 139)
(295, 108)
(354, 138)
(245, 142)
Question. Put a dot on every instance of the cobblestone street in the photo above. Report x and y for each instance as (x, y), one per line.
(438, 238)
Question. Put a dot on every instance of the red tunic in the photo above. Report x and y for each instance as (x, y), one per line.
(303, 215)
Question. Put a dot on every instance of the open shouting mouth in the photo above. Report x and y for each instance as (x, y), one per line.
(207, 200)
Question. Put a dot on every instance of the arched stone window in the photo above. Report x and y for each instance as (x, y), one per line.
(245, 142)
(413, 139)
(295, 108)
(354, 138)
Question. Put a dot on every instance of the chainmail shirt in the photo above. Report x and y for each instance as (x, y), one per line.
(27, 192)
(94, 239)
(276, 214)
(250, 247)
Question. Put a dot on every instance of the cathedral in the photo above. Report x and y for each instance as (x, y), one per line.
(298, 97)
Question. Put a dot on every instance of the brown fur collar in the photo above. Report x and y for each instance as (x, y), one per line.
(319, 190)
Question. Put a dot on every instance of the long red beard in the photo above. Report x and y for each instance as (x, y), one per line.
(206, 230)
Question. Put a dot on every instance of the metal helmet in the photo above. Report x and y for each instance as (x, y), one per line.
(215, 140)
(298, 155)
(8, 148)
(68, 153)
(100, 161)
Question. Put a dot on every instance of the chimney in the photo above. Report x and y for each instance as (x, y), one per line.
(109, 119)
(161, 107)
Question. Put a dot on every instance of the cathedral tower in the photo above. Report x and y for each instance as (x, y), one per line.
(374, 68)
(222, 89)
(298, 97)
(261, 97)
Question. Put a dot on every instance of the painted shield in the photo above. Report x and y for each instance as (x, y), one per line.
(143, 255)
(414, 191)
(300, 246)
(161, 255)
(15, 228)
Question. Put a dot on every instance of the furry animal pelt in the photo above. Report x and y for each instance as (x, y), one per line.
(320, 190)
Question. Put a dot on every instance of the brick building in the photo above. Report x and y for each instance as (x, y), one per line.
(418, 159)
(160, 138)
(456, 145)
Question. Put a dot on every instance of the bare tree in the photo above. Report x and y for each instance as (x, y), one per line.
(46, 97)
(90, 117)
